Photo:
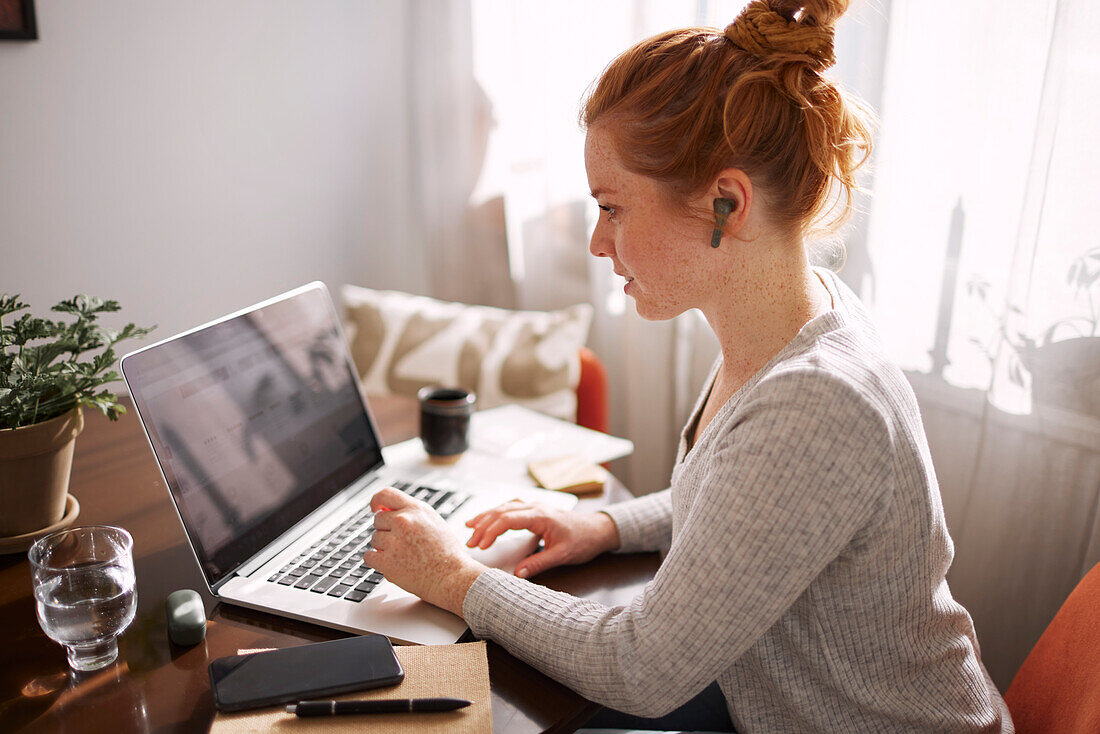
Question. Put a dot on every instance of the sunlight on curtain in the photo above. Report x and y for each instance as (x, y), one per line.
(959, 121)
(985, 281)
(1056, 282)
(983, 192)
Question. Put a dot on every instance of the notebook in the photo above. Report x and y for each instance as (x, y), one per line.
(454, 671)
(270, 454)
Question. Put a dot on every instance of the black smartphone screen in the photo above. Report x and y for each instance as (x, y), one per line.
(306, 671)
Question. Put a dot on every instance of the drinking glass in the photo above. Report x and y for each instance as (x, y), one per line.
(84, 589)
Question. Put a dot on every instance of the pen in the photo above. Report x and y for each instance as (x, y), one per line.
(395, 706)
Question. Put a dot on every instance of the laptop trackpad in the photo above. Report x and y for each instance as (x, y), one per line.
(507, 551)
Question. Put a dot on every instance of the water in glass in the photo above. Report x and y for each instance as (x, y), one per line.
(86, 607)
(84, 588)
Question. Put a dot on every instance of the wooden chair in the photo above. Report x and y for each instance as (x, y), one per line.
(1057, 689)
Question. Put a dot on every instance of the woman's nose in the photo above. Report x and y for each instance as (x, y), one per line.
(601, 244)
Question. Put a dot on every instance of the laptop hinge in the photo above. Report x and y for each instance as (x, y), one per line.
(224, 580)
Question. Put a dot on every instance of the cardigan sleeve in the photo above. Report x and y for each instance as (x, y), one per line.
(795, 475)
(644, 523)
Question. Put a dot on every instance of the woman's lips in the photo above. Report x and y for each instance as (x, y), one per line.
(627, 278)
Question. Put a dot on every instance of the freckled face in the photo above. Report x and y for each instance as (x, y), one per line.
(661, 253)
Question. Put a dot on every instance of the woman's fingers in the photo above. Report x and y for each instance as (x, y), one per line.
(480, 528)
(389, 498)
(509, 505)
(483, 520)
(526, 519)
(495, 523)
(536, 563)
(415, 549)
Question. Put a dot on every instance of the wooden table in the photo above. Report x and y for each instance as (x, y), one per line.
(158, 687)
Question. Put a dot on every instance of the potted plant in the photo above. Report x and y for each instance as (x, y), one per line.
(1064, 373)
(49, 370)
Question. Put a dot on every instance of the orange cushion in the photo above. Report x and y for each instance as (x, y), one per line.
(1057, 689)
(592, 401)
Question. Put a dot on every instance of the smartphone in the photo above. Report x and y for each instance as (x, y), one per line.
(307, 671)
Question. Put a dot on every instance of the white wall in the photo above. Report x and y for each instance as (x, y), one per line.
(190, 158)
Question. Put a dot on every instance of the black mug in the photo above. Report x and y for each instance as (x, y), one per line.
(445, 422)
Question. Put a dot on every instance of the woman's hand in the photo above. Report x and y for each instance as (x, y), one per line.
(568, 537)
(414, 548)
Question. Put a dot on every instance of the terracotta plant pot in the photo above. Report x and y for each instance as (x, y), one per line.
(35, 462)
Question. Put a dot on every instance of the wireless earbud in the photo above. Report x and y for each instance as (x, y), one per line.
(722, 209)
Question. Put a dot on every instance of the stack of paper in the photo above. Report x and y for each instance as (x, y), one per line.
(568, 474)
(519, 434)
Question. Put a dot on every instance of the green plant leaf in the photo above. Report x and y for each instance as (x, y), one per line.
(58, 365)
(130, 331)
(86, 306)
(10, 304)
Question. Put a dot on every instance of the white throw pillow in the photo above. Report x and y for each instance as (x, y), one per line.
(402, 342)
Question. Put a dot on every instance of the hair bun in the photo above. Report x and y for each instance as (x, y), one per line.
(761, 31)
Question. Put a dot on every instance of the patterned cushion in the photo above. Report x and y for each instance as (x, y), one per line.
(401, 343)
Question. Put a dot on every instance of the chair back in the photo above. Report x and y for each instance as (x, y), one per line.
(1057, 689)
(592, 400)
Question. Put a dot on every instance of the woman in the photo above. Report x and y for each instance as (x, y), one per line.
(804, 585)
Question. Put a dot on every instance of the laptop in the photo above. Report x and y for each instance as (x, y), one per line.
(270, 454)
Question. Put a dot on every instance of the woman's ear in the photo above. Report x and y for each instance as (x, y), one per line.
(732, 199)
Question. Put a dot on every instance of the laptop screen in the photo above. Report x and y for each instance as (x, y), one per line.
(255, 420)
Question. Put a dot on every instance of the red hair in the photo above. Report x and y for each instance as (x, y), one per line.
(686, 104)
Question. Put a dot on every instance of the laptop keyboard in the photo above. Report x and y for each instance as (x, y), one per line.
(334, 564)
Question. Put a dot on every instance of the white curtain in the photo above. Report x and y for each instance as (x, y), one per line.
(985, 279)
(450, 119)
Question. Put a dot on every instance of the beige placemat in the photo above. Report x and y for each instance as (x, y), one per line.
(458, 671)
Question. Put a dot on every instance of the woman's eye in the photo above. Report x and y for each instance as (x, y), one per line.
(609, 209)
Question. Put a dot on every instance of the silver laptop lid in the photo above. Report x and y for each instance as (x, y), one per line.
(256, 419)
